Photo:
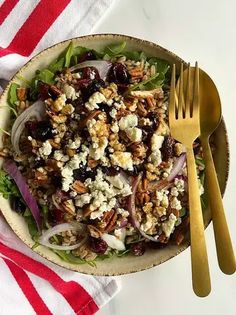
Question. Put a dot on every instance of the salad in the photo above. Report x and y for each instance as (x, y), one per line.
(89, 161)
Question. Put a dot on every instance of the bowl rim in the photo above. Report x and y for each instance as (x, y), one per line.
(148, 43)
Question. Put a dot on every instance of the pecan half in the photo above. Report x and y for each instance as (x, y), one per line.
(79, 187)
(93, 231)
(68, 206)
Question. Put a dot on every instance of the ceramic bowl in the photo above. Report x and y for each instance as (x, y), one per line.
(128, 264)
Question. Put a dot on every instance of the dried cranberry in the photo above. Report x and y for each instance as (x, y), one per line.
(154, 118)
(90, 73)
(81, 174)
(18, 205)
(167, 149)
(97, 245)
(90, 88)
(122, 88)
(56, 180)
(138, 249)
(111, 171)
(39, 163)
(56, 216)
(88, 55)
(118, 73)
(156, 245)
(104, 107)
(46, 91)
(40, 130)
(136, 170)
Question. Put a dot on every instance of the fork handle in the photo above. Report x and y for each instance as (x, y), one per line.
(224, 248)
(200, 268)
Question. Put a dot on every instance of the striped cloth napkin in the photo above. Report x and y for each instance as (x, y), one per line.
(28, 283)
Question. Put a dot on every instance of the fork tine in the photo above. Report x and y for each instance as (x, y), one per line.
(196, 93)
(181, 93)
(187, 100)
(172, 96)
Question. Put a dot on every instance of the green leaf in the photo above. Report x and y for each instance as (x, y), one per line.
(8, 188)
(70, 258)
(182, 212)
(135, 55)
(69, 53)
(150, 84)
(162, 66)
(33, 230)
(45, 76)
(57, 65)
(12, 96)
(79, 50)
(114, 49)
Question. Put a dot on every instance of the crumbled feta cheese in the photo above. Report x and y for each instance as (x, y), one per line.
(74, 144)
(179, 184)
(134, 134)
(174, 192)
(155, 158)
(98, 152)
(118, 182)
(169, 225)
(150, 222)
(46, 149)
(123, 212)
(69, 91)
(110, 102)
(115, 127)
(67, 178)
(59, 156)
(156, 142)
(73, 164)
(122, 159)
(94, 100)
(128, 121)
(113, 113)
(175, 203)
(82, 200)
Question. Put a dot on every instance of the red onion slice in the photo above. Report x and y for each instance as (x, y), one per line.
(45, 237)
(113, 241)
(101, 65)
(11, 168)
(178, 166)
(37, 110)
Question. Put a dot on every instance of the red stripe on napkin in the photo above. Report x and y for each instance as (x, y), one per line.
(28, 288)
(36, 25)
(78, 298)
(6, 8)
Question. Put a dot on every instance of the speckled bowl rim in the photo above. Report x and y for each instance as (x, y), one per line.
(151, 44)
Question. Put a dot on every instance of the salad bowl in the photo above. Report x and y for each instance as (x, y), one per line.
(154, 255)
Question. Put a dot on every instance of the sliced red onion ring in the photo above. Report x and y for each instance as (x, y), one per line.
(101, 65)
(11, 168)
(37, 110)
(178, 166)
(45, 237)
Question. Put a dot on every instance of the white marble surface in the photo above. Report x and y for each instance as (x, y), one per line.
(202, 30)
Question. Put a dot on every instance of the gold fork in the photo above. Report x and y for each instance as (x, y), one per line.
(185, 128)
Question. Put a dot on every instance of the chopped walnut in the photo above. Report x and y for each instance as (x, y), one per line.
(68, 206)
